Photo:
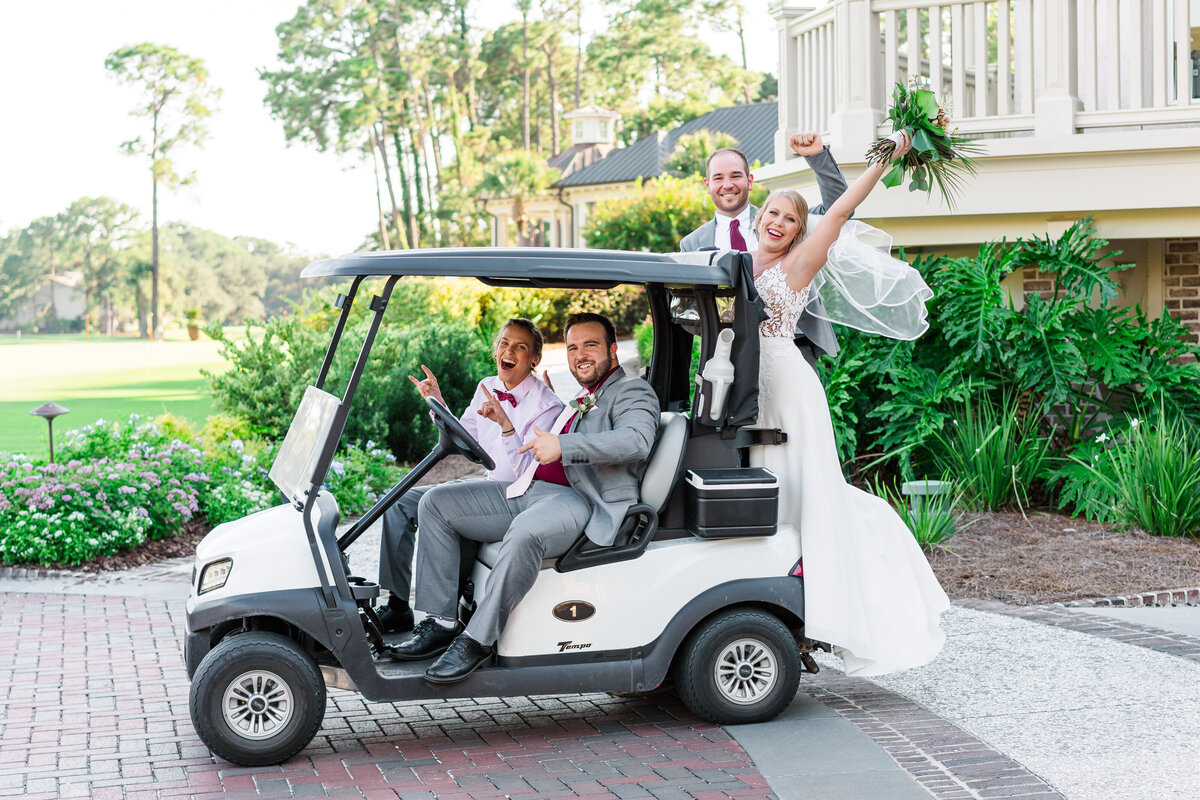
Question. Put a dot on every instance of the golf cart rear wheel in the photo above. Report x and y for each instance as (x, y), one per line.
(739, 667)
(257, 699)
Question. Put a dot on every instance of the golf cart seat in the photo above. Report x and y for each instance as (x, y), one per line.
(641, 521)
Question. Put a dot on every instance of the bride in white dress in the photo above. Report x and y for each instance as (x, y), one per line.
(868, 589)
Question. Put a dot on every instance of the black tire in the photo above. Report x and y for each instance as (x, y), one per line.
(257, 699)
(756, 655)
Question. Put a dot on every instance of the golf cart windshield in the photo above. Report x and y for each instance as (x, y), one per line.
(294, 466)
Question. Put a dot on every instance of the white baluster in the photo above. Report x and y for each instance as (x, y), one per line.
(1160, 69)
(935, 51)
(1089, 70)
(890, 60)
(981, 60)
(1023, 13)
(1112, 55)
(958, 60)
(1183, 52)
(913, 21)
(1003, 60)
(1133, 66)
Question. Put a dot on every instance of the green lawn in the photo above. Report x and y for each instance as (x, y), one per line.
(104, 378)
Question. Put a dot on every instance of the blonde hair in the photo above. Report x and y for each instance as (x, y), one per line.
(798, 202)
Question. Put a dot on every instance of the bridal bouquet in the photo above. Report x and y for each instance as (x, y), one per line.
(937, 155)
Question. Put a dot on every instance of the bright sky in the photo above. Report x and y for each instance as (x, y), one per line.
(64, 119)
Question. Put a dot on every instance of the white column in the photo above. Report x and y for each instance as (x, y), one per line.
(501, 230)
(858, 106)
(1058, 90)
(789, 77)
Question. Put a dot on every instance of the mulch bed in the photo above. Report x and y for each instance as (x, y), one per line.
(1051, 558)
(1005, 557)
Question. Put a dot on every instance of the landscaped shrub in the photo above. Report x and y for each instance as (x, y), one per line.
(1073, 357)
(933, 521)
(1141, 473)
(269, 373)
(994, 454)
(116, 486)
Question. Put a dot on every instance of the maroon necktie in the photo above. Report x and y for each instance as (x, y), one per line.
(736, 242)
(502, 395)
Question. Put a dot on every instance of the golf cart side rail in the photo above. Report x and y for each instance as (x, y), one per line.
(534, 266)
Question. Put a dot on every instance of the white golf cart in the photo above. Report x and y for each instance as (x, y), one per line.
(701, 585)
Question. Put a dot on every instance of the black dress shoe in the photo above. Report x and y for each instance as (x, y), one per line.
(428, 640)
(463, 657)
(395, 619)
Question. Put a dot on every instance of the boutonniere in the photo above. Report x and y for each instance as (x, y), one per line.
(585, 403)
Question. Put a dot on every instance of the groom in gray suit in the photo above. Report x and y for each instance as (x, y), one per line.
(586, 476)
(728, 180)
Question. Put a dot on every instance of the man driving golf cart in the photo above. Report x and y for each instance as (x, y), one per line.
(692, 578)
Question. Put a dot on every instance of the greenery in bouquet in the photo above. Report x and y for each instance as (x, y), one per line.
(938, 155)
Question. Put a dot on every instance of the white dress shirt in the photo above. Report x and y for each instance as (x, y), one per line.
(744, 225)
(536, 405)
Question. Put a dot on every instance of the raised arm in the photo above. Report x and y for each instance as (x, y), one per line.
(830, 180)
(804, 260)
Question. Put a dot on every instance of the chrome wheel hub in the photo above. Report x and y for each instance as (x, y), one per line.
(257, 705)
(746, 671)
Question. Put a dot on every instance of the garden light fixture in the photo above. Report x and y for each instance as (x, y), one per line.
(50, 411)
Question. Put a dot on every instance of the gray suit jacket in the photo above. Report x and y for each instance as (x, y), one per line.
(815, 336)
(605, 453)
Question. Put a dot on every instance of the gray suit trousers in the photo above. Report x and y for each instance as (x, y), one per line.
(398, 543)
(542, 523)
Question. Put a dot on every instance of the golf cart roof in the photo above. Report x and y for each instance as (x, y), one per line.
(533, 266)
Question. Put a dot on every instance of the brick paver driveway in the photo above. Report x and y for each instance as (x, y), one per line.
(94, 703)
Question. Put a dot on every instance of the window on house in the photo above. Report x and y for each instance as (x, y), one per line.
(578, 129)
(603, 129)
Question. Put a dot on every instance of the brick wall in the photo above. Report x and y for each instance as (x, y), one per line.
(1181, 280)
(1034, 281)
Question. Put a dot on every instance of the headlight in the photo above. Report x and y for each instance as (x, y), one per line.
(214, 575)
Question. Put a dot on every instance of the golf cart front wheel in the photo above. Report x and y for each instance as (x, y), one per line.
(257, 699)
(739, 667)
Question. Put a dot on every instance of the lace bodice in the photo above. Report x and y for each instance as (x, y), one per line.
(783, 304)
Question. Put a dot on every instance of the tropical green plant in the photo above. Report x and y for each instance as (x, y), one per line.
(933, 521)
(995, 452)
(1150, 473)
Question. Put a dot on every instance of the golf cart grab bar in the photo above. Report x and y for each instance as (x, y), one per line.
(344, 302)
(583, 553)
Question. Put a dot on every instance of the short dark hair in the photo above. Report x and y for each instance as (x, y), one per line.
(733, 150)
(610, 332)
(527, 326)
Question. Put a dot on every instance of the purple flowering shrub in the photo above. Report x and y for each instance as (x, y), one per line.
(116, 486)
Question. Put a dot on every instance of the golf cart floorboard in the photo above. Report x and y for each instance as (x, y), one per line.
(405, 680)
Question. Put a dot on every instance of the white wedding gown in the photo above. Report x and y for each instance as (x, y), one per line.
(868, 589)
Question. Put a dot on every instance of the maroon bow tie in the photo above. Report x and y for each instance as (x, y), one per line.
(502, 395)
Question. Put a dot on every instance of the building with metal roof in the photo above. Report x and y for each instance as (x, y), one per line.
(557, 220)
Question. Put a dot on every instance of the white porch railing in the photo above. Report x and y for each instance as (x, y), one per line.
(1008, 67)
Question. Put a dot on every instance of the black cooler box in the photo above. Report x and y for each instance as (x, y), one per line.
(722, 503)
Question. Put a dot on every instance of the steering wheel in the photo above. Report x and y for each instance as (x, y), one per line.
(455, 437)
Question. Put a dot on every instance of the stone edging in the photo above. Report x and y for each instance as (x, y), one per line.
(1164, 597)
(40, 572)
(1060, 616)
(947, 761)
